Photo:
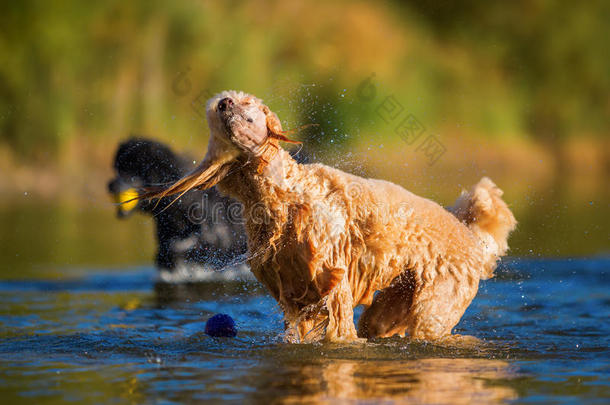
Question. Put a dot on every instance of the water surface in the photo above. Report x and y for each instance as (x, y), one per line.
(80, 323)
(119, 337)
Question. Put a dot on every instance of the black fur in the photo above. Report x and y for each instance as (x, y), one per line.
(200, 228)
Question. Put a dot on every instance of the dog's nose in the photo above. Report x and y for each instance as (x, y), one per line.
(225, 103)
(113, 186)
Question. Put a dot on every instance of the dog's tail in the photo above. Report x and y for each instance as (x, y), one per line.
(487, 215)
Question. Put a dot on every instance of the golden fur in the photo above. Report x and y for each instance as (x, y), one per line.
(324, 241)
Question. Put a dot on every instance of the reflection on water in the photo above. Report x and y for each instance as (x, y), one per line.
(434, 381)
(38, 239)
(42, 239)
(562, 219)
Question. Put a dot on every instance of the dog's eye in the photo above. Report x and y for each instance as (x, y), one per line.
(249, 119)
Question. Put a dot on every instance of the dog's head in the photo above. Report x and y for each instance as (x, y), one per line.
(141, 163)
(242, 130)
(241, 122)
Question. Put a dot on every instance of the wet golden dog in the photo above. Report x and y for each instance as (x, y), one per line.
(324, 241)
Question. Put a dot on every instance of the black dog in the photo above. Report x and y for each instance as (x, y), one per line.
(200, 232)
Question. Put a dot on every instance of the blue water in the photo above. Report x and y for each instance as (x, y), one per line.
(115, 336)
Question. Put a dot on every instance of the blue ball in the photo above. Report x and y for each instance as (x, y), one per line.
(221, 325)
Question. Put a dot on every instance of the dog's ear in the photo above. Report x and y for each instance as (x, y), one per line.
(274, 126)
(213, 168)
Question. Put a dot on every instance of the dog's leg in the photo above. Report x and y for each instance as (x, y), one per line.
(438, 306)
(340, 314)
(388, 314)
(333, 323)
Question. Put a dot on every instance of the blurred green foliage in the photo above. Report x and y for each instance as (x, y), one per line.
(554, 51)
(99, 70)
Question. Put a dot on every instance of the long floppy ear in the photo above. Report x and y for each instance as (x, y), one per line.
(210, 171)
(274, 126)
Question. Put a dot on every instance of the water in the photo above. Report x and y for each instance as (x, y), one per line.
(80, 323)
(118, 337)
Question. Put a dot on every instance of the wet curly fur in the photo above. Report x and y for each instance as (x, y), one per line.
(324, 241)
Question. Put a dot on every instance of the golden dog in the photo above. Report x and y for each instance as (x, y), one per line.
(324, 241)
